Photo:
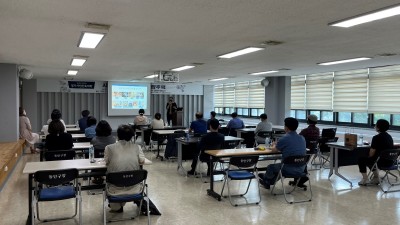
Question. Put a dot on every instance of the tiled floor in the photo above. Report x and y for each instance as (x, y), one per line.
(183, 200)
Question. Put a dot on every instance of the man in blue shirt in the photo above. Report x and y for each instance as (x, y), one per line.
(83, 121)
(289, 145)
(90, 131)
(199, 126)
(234, 123)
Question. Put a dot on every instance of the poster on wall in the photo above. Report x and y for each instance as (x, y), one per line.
(176, 89)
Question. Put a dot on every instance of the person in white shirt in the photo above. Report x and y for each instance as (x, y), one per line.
(264, 125)
(141, 119)
(157, 123)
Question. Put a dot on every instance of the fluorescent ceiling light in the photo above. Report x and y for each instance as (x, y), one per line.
(182, 68)
(264, 72)
(217, 79)
(151, 76)
(90, 40)
(368, 17)
(343, 61)
(78, 61)
(72, 72)
(240, 52)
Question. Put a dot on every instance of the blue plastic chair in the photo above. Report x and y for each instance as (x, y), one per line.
(387, 155)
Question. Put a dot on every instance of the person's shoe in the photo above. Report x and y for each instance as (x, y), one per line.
(261, 176)
(98, 180)
(120, 210)
(264, 184)
(375, 180)
(300, 185)
(191, 172)
(363, 182)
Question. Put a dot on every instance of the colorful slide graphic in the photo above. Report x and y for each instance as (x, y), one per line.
(125, 96)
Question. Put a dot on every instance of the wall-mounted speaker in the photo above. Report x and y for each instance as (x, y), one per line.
(264, 82)
(25, 74)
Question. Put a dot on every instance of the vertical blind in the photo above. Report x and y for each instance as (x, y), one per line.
(384, 89)
(247, 94)
(319, 91)
(370, 90)
(298, 92)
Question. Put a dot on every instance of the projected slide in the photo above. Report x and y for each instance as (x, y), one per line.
(128, 97)
(125, 99)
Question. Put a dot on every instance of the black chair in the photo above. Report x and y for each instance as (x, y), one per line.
(293, 161)
(126, 179)
(387, 162)
(231, 144)
(55, 185)
(204, 158)
(244, 168)
(171, 149)
(263, 135)
(232, 132)
(59, 155)
(146, 137)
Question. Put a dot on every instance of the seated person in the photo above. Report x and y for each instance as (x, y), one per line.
(380, 142)
(157, 123)
(83, 121)
(264, 125)
(311, 133)
(198, 126)
(90, 131)
(210, 141)
(212, 116)
(57, 139)
(55, 115)
(141, 119)
(289, 145)
(122, 156)
(234, 123)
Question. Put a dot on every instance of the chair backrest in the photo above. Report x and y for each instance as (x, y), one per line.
(85, 139)
(59, 155)
(296, 160)
(328, 133)
(99, 152)
(312, 145)
(232, 132)
(244, 161)
(264, 134)
(147, 135)
(179, 132)
(231, 144)
(126, 178)
(390, 154)
(56, 177)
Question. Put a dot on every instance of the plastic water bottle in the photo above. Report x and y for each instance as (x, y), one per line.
(91, 154)
(187, 136)
(267, 142)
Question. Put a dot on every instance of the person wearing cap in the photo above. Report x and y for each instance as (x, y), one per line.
(264, 125)
(310, 134)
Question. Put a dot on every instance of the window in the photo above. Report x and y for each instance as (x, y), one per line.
(317, 113)
(218, 110)
(301, 114)
(396, 120)
(229, 110)
(293, 113)
(326, 116)
(319, 91)
(344, 117)
(298, 92)
(378, 116)
(243, 111)
(360, 118)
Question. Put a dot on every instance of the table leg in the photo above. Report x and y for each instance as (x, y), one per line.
(337, 167)
(331, 157)
(30, 187)
(211, 191)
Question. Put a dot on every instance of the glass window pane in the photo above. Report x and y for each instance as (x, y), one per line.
(360, 118)
(293, 113)
(239, 111)
(301, 114)
(245, 112)
(327, 116)
(396, 120)
(254, 112)
(345, 117)
(317, 113)
(260, 111)
(378, 116)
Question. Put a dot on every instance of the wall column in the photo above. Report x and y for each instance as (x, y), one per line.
(277, 99)
(9, 101)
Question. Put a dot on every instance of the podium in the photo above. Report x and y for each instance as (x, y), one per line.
(177, 118)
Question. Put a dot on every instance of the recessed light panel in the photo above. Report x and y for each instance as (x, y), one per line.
(264, 72)
(72, 72)
(78, 61)
(151, 76)
(217, 79)
(240, 52)
(182, 68)
(343, 61)
(90, 40)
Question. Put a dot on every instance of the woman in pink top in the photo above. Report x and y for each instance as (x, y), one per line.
(25, 130)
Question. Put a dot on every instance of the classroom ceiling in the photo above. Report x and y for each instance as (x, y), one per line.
(152, 35)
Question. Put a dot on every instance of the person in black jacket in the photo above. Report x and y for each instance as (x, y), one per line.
(171, 108)
(211, 141)
(57, 139)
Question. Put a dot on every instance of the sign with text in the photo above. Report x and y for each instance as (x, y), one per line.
(81, 84)
(176, 89)
(49, 85)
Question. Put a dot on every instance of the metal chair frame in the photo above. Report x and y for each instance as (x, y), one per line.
(391, 154)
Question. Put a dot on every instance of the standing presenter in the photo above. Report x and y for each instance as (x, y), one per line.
(171, 108)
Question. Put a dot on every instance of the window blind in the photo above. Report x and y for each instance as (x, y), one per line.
(256, 97)
(218, 95)
(384, 93)
(242, 94)
(298, 92)
(229, 95)
(350, 91)
(319, 91)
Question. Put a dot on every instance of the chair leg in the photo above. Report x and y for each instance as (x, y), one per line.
(33, 208)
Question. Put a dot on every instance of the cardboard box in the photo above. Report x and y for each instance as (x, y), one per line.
(350, 140)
